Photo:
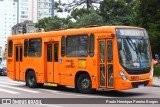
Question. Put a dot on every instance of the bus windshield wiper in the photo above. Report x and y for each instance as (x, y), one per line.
(130, 42)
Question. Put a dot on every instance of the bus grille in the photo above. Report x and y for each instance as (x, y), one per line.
(137, 72)
(136, 84)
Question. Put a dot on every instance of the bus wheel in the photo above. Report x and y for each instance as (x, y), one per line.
(31, 80)
(84, 84)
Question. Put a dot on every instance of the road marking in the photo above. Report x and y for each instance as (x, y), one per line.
(18, 82)
(10, 83)
(50, 105)
(60, 92)
(21, 89)
(155, 91)
(53, 91)
(80, 95)
(9, 91)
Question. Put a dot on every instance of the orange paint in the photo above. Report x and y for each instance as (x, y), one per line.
(64, 70)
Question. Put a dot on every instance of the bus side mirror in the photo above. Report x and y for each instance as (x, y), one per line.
(154, 62)
(119, 44)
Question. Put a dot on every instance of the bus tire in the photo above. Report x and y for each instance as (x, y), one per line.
(84, 84)
(31, 80)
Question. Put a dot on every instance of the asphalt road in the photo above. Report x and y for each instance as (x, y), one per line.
(13, 89)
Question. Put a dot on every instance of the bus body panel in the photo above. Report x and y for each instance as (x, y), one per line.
(64, 71)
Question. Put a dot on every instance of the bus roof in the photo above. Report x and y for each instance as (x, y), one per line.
(100, 29)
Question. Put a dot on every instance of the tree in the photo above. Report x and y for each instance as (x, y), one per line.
(90, 19)
(49, 24)
(58, 6)
(78, 13)
(148, 16)
(42, 23)
(85, 4)
(54, 23)
(59, 23)
(117, 12)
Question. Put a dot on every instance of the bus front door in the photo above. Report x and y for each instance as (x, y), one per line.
(106, 63)
(52, 62)
(18, 62)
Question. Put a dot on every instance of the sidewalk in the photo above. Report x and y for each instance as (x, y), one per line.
(156, 81)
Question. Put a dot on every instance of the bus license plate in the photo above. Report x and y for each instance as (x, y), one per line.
(140, 86)
(135, 78)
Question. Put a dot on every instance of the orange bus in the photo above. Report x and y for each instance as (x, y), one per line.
(105, 57)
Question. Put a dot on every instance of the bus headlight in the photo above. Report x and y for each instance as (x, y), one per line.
(124, 77)
(151, 75)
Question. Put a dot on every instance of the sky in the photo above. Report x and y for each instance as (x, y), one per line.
(64, 1)
(64, 14)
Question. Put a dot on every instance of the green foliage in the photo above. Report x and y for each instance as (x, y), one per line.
(54, 23)
(117, 12)
(156, 70)
(57, 6)
(90, 19)
(148, 16)
(49, 24)
(144, 13)
(78, 13)
(43, 23)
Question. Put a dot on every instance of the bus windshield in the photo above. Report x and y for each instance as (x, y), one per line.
(134, 51)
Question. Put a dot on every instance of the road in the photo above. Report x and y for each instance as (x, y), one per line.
(14, 89)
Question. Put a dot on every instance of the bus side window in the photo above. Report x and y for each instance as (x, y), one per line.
(77, 46)
(91, 45)
(63, 43)
(35, 47)
(10, 47)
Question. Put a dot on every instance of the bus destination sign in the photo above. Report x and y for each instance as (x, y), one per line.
(130, 32)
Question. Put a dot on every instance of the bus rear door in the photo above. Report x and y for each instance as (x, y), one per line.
(52, 49)
(18, 62)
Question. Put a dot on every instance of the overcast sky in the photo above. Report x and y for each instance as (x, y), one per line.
(64, 1)
(64, 14)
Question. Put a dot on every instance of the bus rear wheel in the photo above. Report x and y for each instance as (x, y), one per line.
(84, 84)
(31, 80)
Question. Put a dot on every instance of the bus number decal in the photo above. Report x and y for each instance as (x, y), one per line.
(103, 36)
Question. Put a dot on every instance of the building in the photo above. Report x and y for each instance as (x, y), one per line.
(17, 11)
(0, 54)
(40, 9)
(24, 27)
(35, 10)
(8, 18)
(23, 13)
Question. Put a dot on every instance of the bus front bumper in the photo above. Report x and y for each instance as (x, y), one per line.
(123, 85)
